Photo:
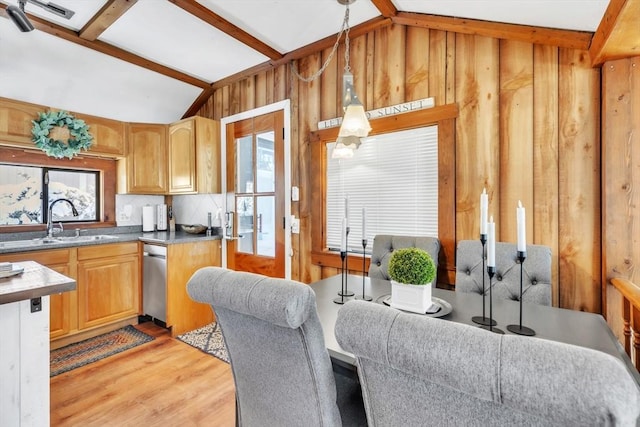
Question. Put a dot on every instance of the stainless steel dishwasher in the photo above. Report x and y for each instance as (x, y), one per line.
(154, 283)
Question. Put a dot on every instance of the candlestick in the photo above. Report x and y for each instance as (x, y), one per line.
(483, 320)
(484, 206)
(344, 292)
(491, 271)
(491, 243)
(522, 228)
(519, 329)
(364, 247)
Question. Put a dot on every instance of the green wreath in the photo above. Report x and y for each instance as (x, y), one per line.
(80, 138)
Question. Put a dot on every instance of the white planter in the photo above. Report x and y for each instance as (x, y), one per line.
(415, 298)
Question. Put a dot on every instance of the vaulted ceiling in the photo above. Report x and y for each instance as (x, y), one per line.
(155, 60)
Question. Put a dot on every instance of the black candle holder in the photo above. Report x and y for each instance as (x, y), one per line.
(483, 320)
(491, 271)
(345, 292)
(519, 329)
(364, 297)
(342, 293)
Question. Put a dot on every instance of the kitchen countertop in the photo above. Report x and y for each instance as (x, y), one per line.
(156, 237)
(35, 281)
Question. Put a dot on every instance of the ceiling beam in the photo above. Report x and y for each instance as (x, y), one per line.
(537, 35)
(618, 35)
(199, 102)
(107, 49)
(110, 12)
(205, 14)
(386, 8)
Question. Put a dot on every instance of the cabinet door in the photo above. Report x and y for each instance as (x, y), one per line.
(62, 313)
(108, 290)
(108, 135)
(15, 122)
(184, 314)
(182, 157)
(208, 155)
(147, 159)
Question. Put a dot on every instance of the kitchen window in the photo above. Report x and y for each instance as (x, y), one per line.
(26, 192)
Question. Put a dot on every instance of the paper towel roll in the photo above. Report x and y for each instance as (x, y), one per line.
(148, 218)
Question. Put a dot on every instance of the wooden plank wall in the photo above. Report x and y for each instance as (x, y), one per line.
(528, 130)
(620, 176)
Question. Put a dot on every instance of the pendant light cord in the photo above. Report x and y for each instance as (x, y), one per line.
(347, 68)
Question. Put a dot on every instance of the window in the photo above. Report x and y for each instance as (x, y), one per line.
(26, 192)
(395, 177)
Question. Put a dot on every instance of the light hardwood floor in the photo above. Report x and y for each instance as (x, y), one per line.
(161, 383)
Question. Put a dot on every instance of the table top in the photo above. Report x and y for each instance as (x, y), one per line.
(557, 324)
(35, 281)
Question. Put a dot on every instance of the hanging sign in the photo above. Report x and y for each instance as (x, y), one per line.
(393, 110)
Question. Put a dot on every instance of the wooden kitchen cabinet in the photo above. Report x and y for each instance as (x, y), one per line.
(108, 283)
(63, 317)
(107, 294)
(108, 136)
(15, 122)
(194, 156)
(184, 259)
(146, 160)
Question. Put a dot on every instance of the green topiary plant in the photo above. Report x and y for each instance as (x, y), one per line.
(412, 266)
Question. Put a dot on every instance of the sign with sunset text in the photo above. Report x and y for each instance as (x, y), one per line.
(405, 107)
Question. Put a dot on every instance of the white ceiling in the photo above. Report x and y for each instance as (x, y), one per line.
(44, 69)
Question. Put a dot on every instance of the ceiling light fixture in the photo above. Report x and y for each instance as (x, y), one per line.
(355, 124)
(17, 15)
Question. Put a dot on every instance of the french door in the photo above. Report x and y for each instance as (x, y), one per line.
(256, 213)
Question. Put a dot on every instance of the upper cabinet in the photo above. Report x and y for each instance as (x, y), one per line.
(146, 161)
(108, 135)
(194, 156)
(16, 123)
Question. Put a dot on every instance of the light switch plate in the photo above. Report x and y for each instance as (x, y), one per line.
(295, 225)
(295, 194)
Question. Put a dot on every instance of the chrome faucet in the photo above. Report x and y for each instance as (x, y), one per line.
(50, 228)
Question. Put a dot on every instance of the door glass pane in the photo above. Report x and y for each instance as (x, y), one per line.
(266, 167)
(244, 208)
(244, 165)
(80, 188)
(20, 194)
(266, 228)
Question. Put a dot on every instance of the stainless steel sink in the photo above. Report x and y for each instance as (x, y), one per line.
(48, 241)
(87, 238)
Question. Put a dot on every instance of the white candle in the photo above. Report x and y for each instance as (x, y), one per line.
(343, 243)
(346, 209)
(522, 228)
(484, 205)
(364, 228)
(491, 243)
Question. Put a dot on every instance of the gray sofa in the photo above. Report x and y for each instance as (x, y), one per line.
(536, 276)
(281, 367)
(417, 371)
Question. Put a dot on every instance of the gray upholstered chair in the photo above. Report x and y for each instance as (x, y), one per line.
(536, 277)
(415, 371)
(281, 367)
(384, 245)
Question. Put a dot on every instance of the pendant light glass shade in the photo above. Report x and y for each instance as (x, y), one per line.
(355, 122)
(341, 151)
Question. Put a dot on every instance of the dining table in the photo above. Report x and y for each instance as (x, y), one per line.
(552, 323)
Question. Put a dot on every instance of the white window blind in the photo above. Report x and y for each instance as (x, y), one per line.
(394, 177)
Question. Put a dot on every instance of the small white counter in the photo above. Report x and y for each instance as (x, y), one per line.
(24, 343)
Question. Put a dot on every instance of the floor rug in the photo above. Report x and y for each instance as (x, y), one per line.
(208, 339)
(93, 349)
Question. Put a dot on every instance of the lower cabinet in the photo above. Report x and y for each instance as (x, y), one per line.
(108, 283)
(107, 294)
(184, 259)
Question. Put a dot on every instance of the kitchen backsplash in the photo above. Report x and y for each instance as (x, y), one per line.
(190, 209)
